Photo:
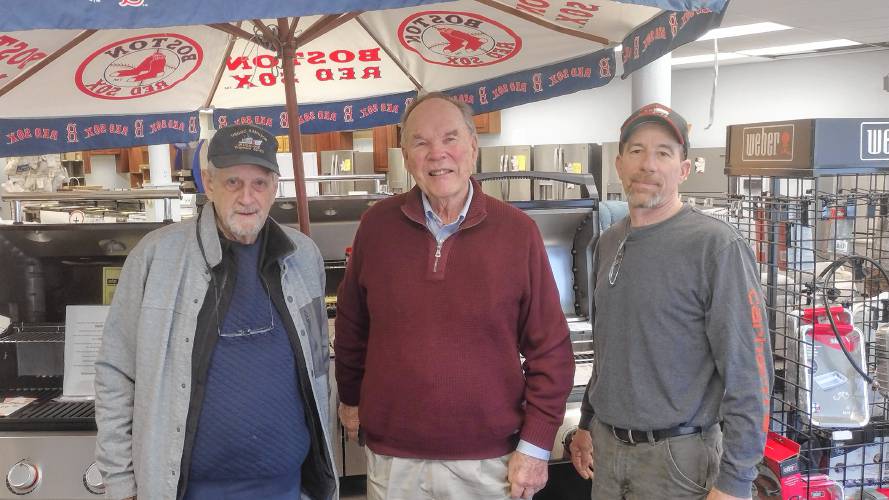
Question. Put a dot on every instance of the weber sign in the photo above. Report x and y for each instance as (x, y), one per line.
(875, 141)
(768, 143)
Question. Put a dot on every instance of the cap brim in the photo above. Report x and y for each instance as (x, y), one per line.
(225, 161)
(653, 119)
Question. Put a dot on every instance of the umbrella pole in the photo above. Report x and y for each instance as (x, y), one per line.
(288, 46)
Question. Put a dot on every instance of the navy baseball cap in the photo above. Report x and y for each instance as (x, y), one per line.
(656, 113)
(243, 145)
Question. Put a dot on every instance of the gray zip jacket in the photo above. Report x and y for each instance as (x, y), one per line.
(143, 371)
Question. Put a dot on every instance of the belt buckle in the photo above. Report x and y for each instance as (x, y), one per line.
(629, 439)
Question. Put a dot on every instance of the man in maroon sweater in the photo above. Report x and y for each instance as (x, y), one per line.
(446, 288)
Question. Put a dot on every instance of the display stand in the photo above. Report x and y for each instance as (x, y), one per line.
(807, 193)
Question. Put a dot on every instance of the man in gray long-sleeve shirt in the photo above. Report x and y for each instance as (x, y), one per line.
(681, 338)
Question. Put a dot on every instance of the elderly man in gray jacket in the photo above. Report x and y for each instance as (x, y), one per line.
(211, 381)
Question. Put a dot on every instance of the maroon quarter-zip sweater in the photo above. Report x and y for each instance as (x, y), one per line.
(429, 349)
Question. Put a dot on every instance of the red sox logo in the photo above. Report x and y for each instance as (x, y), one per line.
(139, 66)
(674, 25)
(458, 39)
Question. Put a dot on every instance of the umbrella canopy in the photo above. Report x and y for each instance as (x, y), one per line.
(74, 89)
(112, 80)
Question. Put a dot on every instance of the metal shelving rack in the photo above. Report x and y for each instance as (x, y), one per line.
(805, 194)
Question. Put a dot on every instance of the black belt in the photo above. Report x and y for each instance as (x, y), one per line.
(629, 436)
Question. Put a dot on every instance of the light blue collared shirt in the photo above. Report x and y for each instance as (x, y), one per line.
(441, 232)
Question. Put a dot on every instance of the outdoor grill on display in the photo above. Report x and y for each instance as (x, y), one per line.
(812, 198)
(47, 442)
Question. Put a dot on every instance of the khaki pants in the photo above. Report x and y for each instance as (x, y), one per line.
(393, 478)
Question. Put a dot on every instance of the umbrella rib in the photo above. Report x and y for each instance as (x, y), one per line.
(83, 35)
(269, 34)
(292, 30)
(323, 26)
(233, 30)
(390, 54)
(221, 71)
(546, 23)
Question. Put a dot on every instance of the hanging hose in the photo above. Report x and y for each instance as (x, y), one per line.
(831, 270)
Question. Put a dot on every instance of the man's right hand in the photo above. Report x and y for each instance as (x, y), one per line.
(581, 449)
(349, 419)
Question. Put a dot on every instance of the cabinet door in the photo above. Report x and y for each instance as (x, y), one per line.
(333, 141)
(137, 156)
(384, 137)
(487, 123)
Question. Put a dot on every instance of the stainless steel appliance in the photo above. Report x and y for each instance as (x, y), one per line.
(566, 158)
(46, 445)
(506, 159)
(707, 177)
(346, 162)
(398, 178)
(569, 229)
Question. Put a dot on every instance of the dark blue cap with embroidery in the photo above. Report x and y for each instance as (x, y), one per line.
(243, 145)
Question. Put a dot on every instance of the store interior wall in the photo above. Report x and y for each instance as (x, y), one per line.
(835, 86)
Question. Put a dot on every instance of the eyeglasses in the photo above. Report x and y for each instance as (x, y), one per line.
(615, 264)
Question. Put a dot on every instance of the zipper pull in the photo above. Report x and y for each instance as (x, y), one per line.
(437, 255)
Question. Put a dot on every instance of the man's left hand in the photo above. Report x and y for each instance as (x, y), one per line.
(718, 495)
(527, 475)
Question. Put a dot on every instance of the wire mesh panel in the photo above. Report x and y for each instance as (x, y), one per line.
(819, 243)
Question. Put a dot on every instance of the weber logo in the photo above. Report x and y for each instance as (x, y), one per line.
(788, 468)
(875, 141)
(772, 143)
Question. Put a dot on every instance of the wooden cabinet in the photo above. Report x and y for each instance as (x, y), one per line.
(330, 141)
(325, 141)
(384, 138)
(137, 158)
(119, 160)
(487, 123)
(133, 161)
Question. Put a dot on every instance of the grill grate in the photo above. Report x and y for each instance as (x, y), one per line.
(46, 414)
(57, 410)
(35, 332)
(583, 357)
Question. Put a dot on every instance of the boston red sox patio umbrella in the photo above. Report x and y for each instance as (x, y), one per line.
(136, 72)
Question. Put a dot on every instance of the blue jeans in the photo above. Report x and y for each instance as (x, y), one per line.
(682, 467)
